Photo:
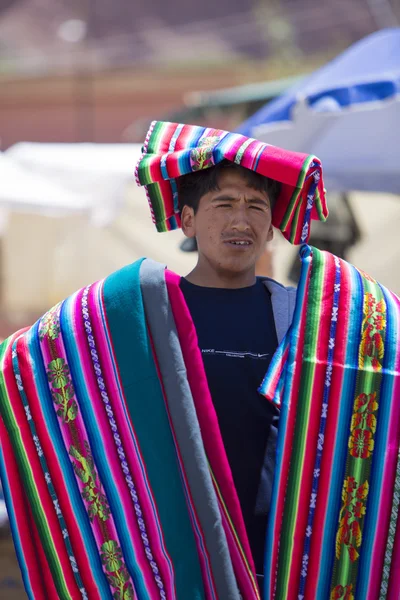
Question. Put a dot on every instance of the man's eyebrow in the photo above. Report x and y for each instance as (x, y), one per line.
(229, 198)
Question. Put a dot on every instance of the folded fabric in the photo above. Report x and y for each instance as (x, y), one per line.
(113, 468)
(334, 530)
(111, 489)
(171, 150)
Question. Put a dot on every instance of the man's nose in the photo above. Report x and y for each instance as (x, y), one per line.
(240, 219)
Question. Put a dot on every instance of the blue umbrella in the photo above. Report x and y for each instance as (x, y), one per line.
(347, 113)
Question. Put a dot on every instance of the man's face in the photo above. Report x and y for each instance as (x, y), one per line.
(232, 225)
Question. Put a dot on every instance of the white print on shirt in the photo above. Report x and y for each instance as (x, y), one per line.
(233, 354)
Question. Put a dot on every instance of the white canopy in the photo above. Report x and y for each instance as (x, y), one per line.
(97, 173)
(25, 190)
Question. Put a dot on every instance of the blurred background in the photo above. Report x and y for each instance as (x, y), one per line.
(80, 82)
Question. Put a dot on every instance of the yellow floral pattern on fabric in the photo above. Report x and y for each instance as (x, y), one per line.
(63, 394)
(86, 471)
(117, 574)
(345, 592)
(202, 156)
(50, 323)
(363, 426)
(374, 323)
(62, 390)
(349, 536)
(361, 443)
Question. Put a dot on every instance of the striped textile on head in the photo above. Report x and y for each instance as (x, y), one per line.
(171, 150)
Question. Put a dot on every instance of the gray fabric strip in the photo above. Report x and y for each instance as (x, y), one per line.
(186, 427)
(283, 302)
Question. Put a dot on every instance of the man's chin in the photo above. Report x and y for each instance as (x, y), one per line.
(237, 266)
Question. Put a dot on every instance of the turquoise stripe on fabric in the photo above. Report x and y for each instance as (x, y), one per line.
(343, 429)
(381, 436)
(14, 528)
(126, 320)
(97, 445)
(126, 415)
(53, 430)
(292, 338)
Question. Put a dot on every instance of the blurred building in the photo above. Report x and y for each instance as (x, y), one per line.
(96, 70)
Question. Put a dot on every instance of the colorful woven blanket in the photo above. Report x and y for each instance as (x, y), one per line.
(334, 530)
(115, 475)
(171, 150)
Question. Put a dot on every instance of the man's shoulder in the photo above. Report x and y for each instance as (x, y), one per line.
(276, 287)
(283, 300)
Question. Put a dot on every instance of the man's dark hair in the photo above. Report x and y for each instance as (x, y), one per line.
(193, 186)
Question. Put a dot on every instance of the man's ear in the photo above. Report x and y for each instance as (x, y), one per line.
(270, 233)
(188, 221)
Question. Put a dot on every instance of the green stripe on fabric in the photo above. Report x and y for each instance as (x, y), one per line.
(304, 403)
(27, 475)
(361, 440)
(126, 319)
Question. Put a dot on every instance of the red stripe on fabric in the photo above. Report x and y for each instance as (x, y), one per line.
(324, 488)
(38, 476)
(24, 520)
(235, 143)
(182, 139)
(153, 165)
(160, 142)
(281, 207)
(281, 165)
(134, 457)
(55, 470)
(291, 407)
(50, 588)
(250, 156)
(166, 191)
(205, 409)
(315, 409)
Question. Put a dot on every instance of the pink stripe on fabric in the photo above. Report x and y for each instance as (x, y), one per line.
(133, 455)
(302, 507)
(389, 476)
(30, 450)
(107, 435)
(45, 501)
(205, 410)
(321, 514)
(204, 557)
(291, 407)
(81, 437)
(24, 519)
(248, 589)
(56, 472)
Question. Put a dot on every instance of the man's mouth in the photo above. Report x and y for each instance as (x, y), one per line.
(243, 243)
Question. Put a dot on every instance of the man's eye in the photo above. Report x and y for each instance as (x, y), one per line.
(257, 208)
(223, 206)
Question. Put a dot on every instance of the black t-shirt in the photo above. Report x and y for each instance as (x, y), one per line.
(237, 338)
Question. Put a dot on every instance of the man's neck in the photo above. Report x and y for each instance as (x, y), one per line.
(208, 277)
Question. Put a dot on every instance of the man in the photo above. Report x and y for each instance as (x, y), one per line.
(136, 452)
(229, 210)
